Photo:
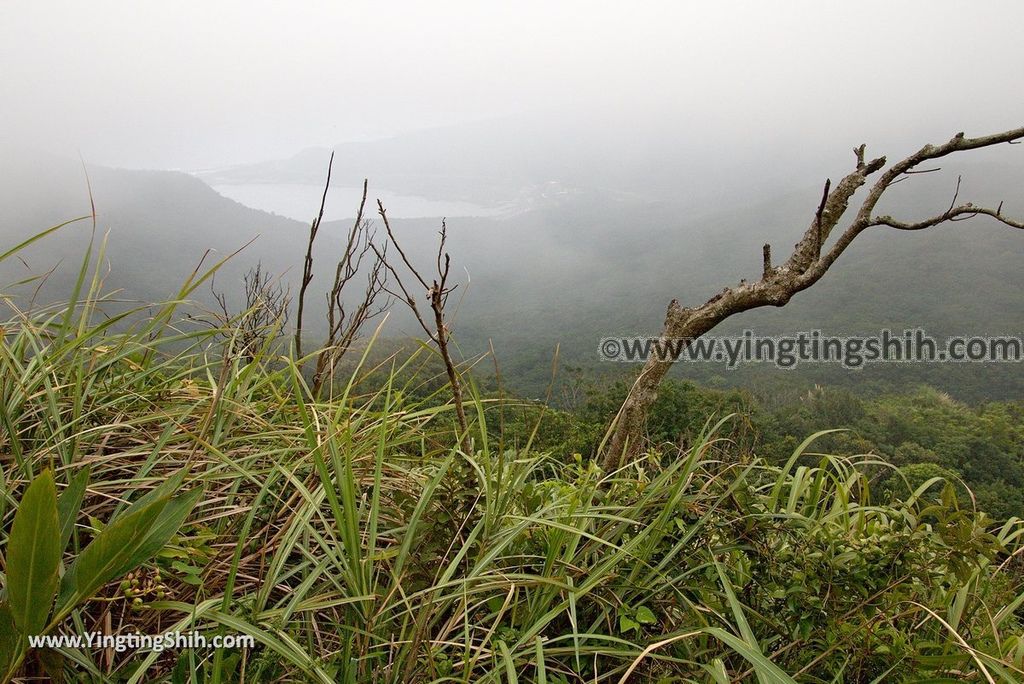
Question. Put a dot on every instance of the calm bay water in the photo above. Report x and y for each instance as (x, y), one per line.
(301, 202)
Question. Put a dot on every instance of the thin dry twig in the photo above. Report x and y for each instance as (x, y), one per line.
(436, 327)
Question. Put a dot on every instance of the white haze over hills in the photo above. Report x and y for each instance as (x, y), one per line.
(293, 200)
(196, 85)
(595, 159)
(568, 270)
(468, 108)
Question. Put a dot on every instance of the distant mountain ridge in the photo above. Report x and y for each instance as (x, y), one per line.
(571, 272)
(493, 162)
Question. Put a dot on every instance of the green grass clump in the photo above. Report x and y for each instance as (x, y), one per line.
(355, 542)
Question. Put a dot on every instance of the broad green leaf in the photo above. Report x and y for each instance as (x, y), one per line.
(167, 525)
(179, 675)
(109, 555)
(164, 490)
(645, 616)
(11, 640)
(69, 503)
(53, 663)
(129, 540)
(33, 555)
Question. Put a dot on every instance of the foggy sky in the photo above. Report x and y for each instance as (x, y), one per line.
(201, 84)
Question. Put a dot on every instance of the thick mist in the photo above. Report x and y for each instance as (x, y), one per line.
(595, 160)
(199, 85)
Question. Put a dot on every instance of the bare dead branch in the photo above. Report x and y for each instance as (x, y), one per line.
(821, 210)
(960, 213)
(263, 315)
(307, 264)
(391, 236)
(859, 153)
(344, 325)
(437, 327)
(805, 266)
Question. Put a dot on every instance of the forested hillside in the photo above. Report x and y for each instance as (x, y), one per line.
(511, 343)
(348, 537)
(583, 267)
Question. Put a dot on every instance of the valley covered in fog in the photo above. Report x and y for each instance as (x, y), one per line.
(667, 342)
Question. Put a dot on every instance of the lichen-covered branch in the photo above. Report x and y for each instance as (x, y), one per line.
(809, 261)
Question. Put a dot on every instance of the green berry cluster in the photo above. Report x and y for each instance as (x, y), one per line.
(139, 586)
